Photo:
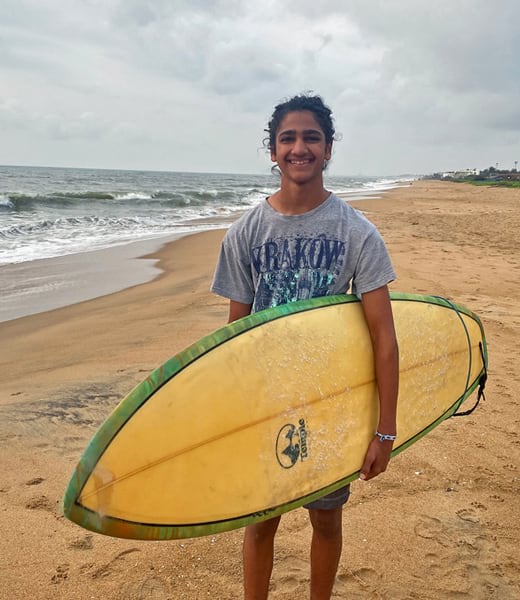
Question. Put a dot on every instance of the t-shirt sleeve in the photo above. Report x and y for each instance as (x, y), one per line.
(374, 268)
(233, 278)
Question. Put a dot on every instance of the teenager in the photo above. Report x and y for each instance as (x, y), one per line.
(303, 242)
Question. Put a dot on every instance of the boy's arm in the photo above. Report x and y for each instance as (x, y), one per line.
(378, 315)
(237, 310)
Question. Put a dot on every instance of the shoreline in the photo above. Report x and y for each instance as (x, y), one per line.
(46, 284)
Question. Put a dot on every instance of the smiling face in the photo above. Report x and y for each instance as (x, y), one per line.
(300, 147)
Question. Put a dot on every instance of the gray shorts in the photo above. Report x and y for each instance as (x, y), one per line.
(331, 501)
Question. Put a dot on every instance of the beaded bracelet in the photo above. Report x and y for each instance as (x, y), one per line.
(383, 437)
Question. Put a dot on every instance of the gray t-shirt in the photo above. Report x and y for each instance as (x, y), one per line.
(267, 258)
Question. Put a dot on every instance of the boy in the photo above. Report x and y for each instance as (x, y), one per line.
(303, 242)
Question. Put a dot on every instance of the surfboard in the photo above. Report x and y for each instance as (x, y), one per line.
(266, 414)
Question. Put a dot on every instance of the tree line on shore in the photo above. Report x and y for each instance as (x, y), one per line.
(489, 176)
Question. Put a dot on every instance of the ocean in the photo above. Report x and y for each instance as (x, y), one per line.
(51, 212)
(68, 235)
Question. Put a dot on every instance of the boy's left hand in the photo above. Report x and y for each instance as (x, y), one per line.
(376, 459)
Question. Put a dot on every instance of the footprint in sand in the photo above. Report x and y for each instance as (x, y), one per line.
(151, 588)
(485, 584)
(366, 576)
(431, 528)
(113, 565)
(82, 543)
(295, 575)
(496, 498)
(469, 547)
(364, 581)
(435, 564)
(468, 514)
(35, 481)
(40, 502)
(62, 573)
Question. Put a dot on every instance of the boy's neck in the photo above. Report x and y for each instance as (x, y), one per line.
(293, 199)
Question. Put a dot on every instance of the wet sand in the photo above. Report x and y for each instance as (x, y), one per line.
(38, 286)
(442, 522)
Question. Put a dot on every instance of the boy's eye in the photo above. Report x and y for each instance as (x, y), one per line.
(309, 138)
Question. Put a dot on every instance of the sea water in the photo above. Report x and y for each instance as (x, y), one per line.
(51, 212)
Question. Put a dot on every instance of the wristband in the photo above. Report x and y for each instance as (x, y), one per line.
(383, 437)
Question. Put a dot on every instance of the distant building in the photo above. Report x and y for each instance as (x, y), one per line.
(491, 174)
(459, 174)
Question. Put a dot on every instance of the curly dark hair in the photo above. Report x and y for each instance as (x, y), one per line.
(312, 103)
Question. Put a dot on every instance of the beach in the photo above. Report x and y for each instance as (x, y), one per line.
(442, 522)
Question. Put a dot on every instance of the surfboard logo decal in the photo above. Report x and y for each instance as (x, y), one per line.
(291, 444)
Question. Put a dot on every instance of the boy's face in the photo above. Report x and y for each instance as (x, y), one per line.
(300, 147)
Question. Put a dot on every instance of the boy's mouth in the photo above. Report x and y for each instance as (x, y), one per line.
(300, 161)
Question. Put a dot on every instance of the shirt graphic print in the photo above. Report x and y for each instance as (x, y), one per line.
(295, 268)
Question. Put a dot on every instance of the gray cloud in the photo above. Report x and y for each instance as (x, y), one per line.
(413, 84)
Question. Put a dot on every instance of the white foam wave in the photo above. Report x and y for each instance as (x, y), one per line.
(5, 202)
(133, 196)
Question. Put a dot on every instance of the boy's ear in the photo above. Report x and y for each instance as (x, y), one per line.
(328, 151)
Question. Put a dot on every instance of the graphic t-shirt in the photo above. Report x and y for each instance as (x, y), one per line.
(267, 258)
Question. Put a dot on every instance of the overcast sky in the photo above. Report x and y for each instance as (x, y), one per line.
(188, 85)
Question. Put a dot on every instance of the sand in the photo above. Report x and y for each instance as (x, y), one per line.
(442, 522)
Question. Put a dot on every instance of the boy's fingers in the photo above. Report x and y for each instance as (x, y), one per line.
(366, 468)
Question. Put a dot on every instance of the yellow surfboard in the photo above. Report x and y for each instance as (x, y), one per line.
(266, 414)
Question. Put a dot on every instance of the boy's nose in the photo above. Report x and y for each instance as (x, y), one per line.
(299, 146)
